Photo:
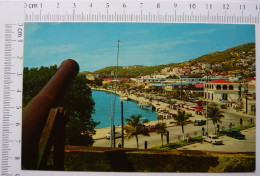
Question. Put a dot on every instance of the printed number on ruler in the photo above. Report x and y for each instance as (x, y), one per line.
(146, 11)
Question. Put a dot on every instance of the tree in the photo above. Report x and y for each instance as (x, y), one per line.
(215, 115)
(161, 129)
(182, 119)
(77, 101)
(135, 127)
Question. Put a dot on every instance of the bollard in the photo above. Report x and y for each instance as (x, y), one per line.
(36, 112)
(145, 144)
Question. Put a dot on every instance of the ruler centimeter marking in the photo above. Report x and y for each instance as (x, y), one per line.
(11, 58)
(144, 11)
(6, 98)
(238, 12)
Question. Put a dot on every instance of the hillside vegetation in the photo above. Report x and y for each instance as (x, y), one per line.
(228, 57)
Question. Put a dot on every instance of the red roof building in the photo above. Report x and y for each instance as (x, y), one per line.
(220, 81)
(250, 79)
(199, 86)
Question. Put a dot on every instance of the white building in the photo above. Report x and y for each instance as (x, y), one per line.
(221, 90)
(206, 66)
(249, 98)
(175, 70)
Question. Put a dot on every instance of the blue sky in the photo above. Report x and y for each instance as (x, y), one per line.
(94, 46)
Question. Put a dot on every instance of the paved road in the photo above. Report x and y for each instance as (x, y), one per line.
(176, 134)
(229, 144)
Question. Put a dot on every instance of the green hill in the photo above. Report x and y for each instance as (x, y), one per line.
(228, 58)
(225, 56)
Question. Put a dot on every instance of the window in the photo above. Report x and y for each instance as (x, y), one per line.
(224, 87)
(231, 87)
(224, 96)
(218, 87)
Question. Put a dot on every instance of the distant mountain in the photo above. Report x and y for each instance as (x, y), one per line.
(132, 72)
(85, 72)
(224, 56)
(227, 57)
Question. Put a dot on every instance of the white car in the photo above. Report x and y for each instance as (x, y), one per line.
(213, 139)
(117, 134)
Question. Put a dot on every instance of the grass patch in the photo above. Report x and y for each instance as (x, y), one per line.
(239, 128)
(178, 144)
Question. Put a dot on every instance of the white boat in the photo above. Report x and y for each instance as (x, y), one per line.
(145, 105)
(125, 98)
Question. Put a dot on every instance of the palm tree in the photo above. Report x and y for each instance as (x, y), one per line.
(182, 119)
(161, 129)
(135, 127)
(215, 115)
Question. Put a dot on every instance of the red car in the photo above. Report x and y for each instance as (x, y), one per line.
(151, 127)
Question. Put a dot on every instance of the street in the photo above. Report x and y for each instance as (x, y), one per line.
(190, 130)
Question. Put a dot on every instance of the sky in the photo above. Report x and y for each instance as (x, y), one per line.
(94, 45)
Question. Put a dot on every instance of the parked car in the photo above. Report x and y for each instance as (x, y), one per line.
(223, 106)
(199, 122)
(235, 134)
(151, 127)
(213, 139)
(117, 135)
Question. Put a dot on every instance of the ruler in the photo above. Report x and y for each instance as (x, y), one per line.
(13, 15)
(144, 11)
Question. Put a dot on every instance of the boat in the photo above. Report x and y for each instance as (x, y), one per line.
(145, 105)
(124, 98)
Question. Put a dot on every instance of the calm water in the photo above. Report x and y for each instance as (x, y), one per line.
(103, 109)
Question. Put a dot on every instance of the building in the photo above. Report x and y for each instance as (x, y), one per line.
(249, 97)
(92, 76)
(222, 91)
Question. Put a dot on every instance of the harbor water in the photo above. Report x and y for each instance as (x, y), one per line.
(103, 109)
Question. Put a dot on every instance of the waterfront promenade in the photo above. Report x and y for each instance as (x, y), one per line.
(175, 131)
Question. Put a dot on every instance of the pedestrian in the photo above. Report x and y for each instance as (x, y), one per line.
(217, 127)
(230, 125)
(203, 130)
(241, 121)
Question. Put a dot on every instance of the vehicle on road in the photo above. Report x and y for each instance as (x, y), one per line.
(199, 122)
(235, 134)
(151, 127)
(117, 135)
(213, 139)
(223, 106)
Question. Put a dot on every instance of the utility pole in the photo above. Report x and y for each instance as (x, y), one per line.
(207, 103)
(122, 119)
(111, 119)
(181, 87)
(246, 92)
(112, 133)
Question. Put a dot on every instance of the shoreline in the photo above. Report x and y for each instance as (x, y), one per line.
(101, 132)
